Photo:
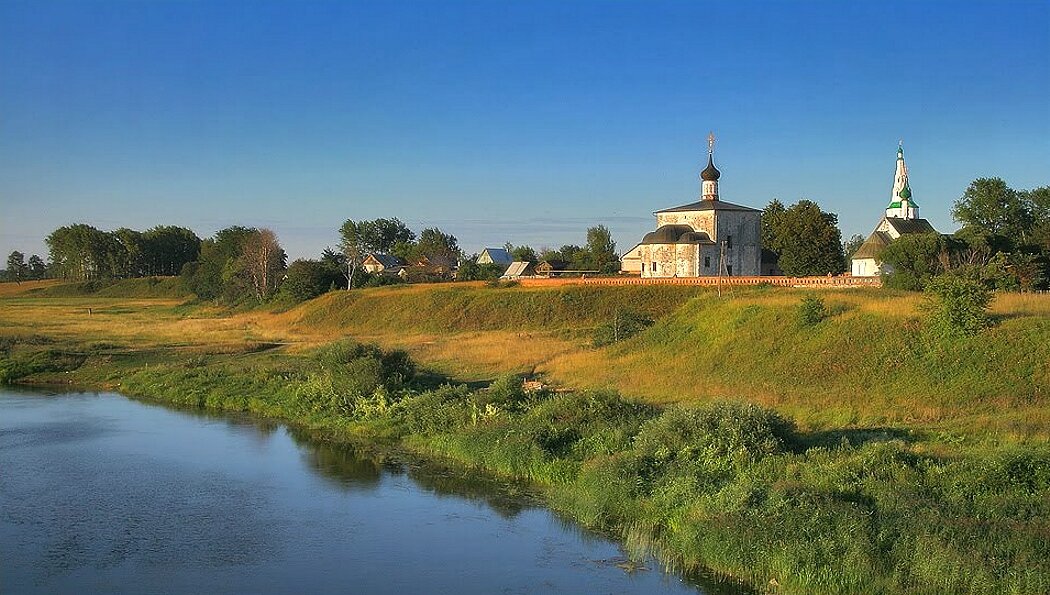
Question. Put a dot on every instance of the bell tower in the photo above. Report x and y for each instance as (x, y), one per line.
(709, 177)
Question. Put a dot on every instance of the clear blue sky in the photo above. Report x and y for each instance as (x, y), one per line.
(523, 122)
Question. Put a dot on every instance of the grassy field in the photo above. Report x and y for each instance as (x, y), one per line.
(857, 454)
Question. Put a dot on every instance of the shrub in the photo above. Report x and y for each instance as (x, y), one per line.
(622, 326)
(956, 306)
(811, 311)
(715, 436)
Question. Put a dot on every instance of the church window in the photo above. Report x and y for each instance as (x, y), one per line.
(643, 267)
(729, 270)
(729, 241)
(707, 262)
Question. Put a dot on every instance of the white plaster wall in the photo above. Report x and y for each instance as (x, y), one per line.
(698, 220)
(864, 267)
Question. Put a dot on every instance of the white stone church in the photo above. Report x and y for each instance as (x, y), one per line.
(705, 238)
(901, 218)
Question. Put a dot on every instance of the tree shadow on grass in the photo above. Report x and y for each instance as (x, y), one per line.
(856, 436)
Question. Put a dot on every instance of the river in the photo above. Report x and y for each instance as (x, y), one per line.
(104, 494)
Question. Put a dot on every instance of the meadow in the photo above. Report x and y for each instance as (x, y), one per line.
(855, 454)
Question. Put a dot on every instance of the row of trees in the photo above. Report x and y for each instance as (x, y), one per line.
(81, 252)
(238, 263)
(18, 269)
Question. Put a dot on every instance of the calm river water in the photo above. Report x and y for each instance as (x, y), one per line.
(102, 494)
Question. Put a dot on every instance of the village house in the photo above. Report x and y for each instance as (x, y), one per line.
(901, 218)
(548, 268)
(495, 256)
(378, 263)
(705, 238)
(518, 269)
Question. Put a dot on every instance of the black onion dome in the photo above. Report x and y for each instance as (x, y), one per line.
(710, 173)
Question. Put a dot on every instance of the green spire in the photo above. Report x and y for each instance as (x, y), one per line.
(905, 192)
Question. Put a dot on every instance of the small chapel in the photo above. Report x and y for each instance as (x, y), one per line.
(901, 218)
(709, 237)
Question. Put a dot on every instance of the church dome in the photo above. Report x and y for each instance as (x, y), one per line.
(666, 234)
(710, 173)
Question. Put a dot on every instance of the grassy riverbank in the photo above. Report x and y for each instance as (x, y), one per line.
(930, 472)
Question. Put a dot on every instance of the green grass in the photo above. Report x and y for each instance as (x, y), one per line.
(146, 287)
(856, 452)
(728, 487)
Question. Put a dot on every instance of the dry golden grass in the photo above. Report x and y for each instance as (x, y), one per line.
(8, 289)
(651, 371)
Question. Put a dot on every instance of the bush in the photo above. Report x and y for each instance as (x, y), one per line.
(622, 326)
(716, 435)
(811, 311)
(956, 306)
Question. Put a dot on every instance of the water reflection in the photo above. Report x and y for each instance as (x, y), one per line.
(103, 494)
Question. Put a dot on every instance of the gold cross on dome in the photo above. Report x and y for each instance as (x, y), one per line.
(711, 143)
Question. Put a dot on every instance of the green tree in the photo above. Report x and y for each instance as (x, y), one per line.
(434, 242)
(601, 250)
(167, 248)
(262, 262)
(214, 274)
(521, 253)
(991, 206)
(912, 260)
(850, 247)
(806, 239)
(307, 279)
(771, 216)
(37, 267)
(80, 252)
(17, 269)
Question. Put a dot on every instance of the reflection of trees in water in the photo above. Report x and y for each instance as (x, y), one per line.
(340, 463)
(505, 498)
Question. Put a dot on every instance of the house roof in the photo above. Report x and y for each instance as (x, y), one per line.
(499, 255)
(676, 234)
(389, 261)
(906, 226)
(554, 265)
(518, 268)
(873, 245)
(710, 205)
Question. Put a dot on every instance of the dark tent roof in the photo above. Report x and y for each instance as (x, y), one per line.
(906, 226)
(710, 205)
(873, 245)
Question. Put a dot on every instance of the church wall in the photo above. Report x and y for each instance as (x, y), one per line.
(864, 267)
(744, 254)
(698, 220)
(668, 260)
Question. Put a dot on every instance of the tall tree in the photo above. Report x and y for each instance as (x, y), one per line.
(991, 206)
(806, 239)
(521, 253)
(213, 275)
(37, 267)
(434, 242)
(17, 269)
(770, 220)
(601, 249)
(262, 261)
(80, 252)
(166, 248)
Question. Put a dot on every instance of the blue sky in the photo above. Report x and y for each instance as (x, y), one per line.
(495, 121)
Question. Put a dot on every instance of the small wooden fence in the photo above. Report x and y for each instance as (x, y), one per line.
(814, 282)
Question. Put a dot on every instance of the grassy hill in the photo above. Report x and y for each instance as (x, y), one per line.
(856, 454)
